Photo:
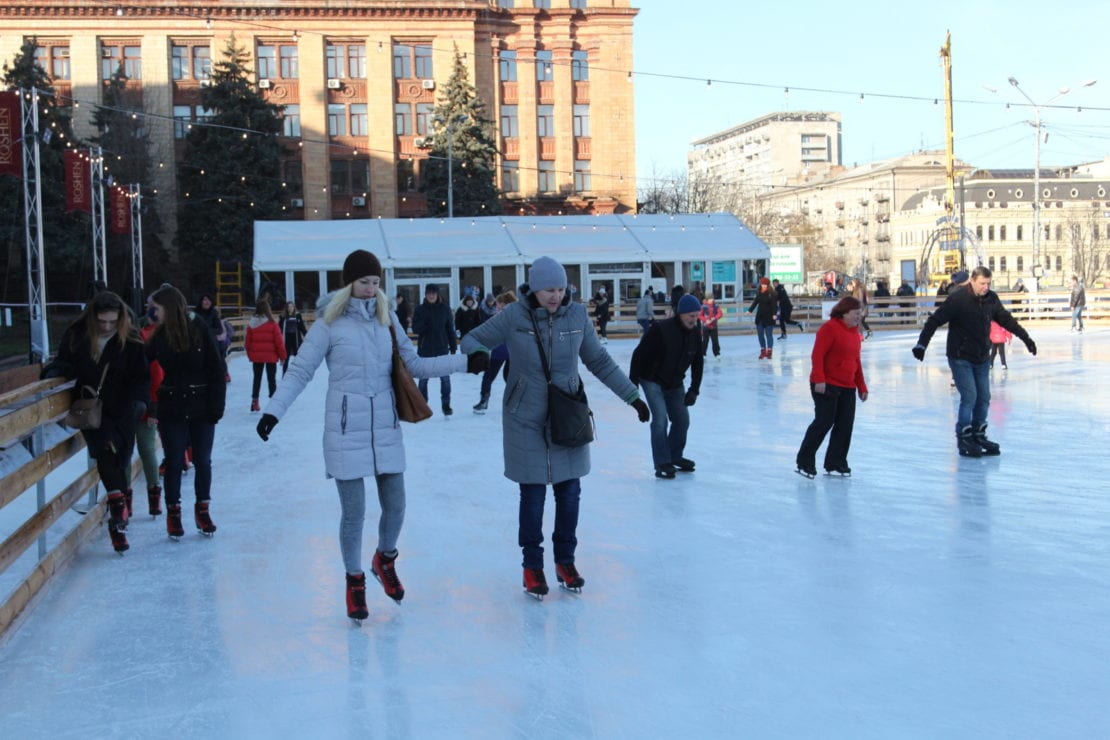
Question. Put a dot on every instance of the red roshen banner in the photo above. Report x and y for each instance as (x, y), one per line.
(11, 124)
(119, 208)
(78, 181)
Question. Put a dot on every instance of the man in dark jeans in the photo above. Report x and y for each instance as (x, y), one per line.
(968, 311)
(434, 326)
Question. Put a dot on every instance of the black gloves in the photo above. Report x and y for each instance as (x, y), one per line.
(1031, 346)
(477, 362)
(138, 408)
(266, 425)
(691, 397)
(642, 410)
(919, 352)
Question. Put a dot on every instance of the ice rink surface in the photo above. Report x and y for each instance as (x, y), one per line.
(928, 596)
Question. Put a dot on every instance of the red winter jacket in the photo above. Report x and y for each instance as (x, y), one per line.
(836, 356)
(264, 342)
(710, 314)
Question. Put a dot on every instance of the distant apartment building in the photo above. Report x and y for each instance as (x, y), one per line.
(359, 81)
(770, 151)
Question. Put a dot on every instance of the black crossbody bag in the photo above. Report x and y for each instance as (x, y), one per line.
(570, 423)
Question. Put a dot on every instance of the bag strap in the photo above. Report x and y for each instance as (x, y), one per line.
(539, 345)
(393, 336)
(103, 375)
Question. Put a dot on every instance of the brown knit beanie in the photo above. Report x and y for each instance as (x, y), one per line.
(359, 264)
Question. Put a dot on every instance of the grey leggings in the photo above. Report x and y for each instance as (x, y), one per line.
(352, 504)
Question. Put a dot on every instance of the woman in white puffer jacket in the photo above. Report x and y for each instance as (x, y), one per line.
(362, 431)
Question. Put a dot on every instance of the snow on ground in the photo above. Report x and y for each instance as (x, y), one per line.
(927, 596)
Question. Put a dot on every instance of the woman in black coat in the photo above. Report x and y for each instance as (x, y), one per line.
(190, 402)
(766, 308)
(293, 331)
(101, 350)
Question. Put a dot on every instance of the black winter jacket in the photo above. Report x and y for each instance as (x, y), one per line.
(435, 329)
(969, 324)
(665, 352)
(765, 304)
(194, 386)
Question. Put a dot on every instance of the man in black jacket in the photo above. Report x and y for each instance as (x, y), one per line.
(659, 367)
(968, 311)
(435, 328)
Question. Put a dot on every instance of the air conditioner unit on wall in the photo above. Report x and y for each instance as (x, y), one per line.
(334, 84)
(206, 83)
(297, 202)
(428, 84)
(420, 142)
(358, 201)
(265, 84)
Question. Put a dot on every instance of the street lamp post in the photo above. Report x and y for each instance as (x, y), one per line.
(450, 160)
(1037, 268)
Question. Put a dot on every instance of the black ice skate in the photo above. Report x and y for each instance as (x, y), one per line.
(665, 472)
(117, 522)
(203, 519)
(684, 465)
(173, 522)
(535, 585)
(382, 567)
(447, 411)
(356, 597)
(806, 471)
(568, 577)
(841, 471)
(980, 438)
(966, 443)
(481, 406)
(154, 499)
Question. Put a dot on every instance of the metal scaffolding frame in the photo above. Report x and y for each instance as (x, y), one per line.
(136, 195)
(99, 240)
(32, 227)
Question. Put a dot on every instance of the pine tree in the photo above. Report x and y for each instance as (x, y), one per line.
(461, 117)
(66, 236)
(230, 175)
(124, 138)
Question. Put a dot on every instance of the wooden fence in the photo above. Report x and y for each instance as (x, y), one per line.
(28, 407)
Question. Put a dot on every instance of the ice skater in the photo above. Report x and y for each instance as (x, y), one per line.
(659, 365)
(293, 329)
(968, 311)
(835, 380)
(499, 355)
(786, 307)
(999, 339)
(765, 305)
(434, 326)
(361, 434)
(1077, 301)
(710, 314)
(546, 319)
(265, 348)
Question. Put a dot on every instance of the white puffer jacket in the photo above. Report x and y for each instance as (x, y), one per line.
(362, 434)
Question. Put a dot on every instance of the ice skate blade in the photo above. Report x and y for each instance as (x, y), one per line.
(355, 622)
(175, 537)
(836, 474)
(805, 474)
(573, 589)
(209, 535)
(537, 597)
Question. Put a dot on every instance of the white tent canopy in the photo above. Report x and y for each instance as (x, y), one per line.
(281, 246)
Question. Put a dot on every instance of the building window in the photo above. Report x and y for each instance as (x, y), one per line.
(505, 3)
(1002, 263)
(337, 119)
(579, 66)
(267, 61)
(112, 56)
(545, 120)
(402, 61)
(544, 71)
(54, 60)
(291, 121)
(1002, 233)
(340, 176)
(294, 178)
(359, 120)
(289, 67)
(507, 65)
(345, 61)
(581, 120)
(510, 177)
(1059, 232)
(542, 4)
(1019, 232)
(182, 117)
(408, 58)
(1059, 263)
(990, 233)
(424, 68)
(510, 125)
(402, 119)
(349, 177)
(990, 263)
(546, 183)
(190, 62)
(406, 176)
(578, 4)
(1020, 263)
(424, 114)
(581, 175)
(979, 232)
(360, 177)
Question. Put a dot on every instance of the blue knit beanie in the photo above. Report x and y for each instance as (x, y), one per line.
(688, 304)
(546, 274)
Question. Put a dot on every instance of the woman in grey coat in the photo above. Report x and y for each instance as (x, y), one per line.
(362, 432)
(530, 459)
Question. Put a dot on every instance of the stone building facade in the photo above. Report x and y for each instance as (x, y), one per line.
(359, 80)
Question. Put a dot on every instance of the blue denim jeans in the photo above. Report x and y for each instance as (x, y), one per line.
(1077, 316)
(973, 381)
(444, 389)
(766, 334)
(530, 534)
(667, 446)
(177, 434)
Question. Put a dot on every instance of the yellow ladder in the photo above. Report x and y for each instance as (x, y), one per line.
(229, 287)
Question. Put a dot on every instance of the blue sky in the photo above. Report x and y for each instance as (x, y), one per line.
(874, 47)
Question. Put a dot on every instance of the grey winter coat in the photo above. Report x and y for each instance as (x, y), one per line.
(568, 335)
(362, 434)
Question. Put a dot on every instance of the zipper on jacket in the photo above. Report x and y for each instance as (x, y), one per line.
(343, 416)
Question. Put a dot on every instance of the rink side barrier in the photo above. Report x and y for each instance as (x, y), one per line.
(30, 412)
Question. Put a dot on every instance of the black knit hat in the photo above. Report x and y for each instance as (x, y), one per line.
(359, 264)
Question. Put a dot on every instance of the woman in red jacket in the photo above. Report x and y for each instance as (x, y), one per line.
(265, 348)
(836, 378)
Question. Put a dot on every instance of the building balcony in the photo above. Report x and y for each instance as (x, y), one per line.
(509, 93)
(582, 147)
(547, 147)
(545, 92)
(581, 92)
(510, 148)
